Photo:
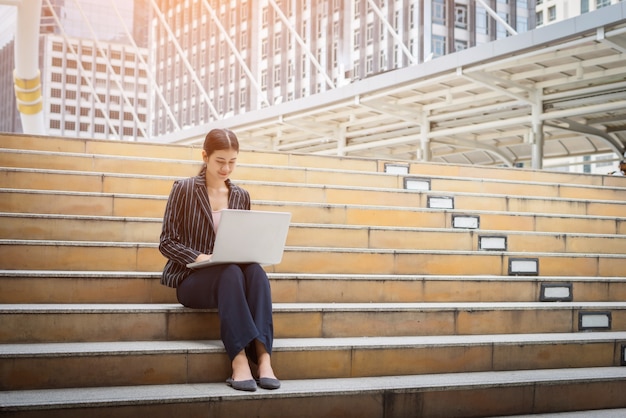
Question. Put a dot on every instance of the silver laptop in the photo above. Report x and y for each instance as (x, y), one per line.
(249, 236)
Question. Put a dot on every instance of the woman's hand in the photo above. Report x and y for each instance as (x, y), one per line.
(203, 257)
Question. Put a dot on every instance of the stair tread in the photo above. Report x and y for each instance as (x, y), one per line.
(304, 307)
(301, 344)
(308, 249)
(315, 276)
(319, 225)
(247, 182)
(157, 394)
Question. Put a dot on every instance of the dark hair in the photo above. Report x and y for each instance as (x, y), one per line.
(219, 139)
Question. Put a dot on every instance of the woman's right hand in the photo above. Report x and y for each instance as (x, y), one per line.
(203, 257)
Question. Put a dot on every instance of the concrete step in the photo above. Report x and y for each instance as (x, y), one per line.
(181, 152)
(98, 256)
(58, 365)
(115, 164)
(143, 206)
(32, 286)
(43, 323)
(425, 395)
(117, 229)
(613, 203)
(18, 142)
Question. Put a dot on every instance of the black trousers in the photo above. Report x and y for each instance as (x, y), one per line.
(241, 293)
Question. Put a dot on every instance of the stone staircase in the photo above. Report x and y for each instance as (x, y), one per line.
(447, 291)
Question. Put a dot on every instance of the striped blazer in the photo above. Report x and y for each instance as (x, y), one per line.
(188, 224)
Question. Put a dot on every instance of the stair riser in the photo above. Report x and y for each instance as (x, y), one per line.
(32, 256)
(50, 326)
(128, 230)
(488, 400)
(86, 205)
(129, 206)
(329, 195)
(192, 153)
(180, 152)
(112, 164)
(120, 369)
(19, 289)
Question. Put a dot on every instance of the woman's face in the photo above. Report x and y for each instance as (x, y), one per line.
(220, 164)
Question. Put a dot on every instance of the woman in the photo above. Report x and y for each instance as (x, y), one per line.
(241, 293)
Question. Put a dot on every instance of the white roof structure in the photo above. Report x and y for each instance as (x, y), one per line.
(561, 87)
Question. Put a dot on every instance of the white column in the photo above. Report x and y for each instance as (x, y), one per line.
(26, 74)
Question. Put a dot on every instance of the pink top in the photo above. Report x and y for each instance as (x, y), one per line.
(217, 215)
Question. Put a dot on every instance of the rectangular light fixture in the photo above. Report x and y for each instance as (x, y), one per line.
(556, 292)
(523, 267)
(413, 183)
(594, 321)
(391, 168)
(468, 222)
(440, 202)
(492, 243)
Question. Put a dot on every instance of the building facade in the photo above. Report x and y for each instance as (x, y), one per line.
(93, 90)
(93, 63)
(550, 11)
(247, 54)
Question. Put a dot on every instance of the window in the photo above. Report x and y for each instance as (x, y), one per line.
(539, 18)
(369, 62)
(277, 76)
(264, 49)
(552, 13)
(602, 3)
(501, 31)
(584, 6)
(482, 21)
(439, 12)
(439, 45)
(277, 43)
(460, 45)
(460, 16)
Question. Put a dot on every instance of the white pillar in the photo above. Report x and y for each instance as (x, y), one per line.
(26, 74)
(537, 137)
(425, 152)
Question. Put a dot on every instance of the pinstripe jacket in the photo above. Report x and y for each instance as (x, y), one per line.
(188, 224)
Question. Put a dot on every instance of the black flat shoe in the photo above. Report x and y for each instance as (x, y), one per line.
(245, 385)
(268, 383)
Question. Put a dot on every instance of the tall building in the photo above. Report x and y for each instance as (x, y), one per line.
(94, 90)
(550, 11)
(247, 54)
(94, 79)
(9, 116)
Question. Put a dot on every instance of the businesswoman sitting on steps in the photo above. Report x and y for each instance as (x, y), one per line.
(240, 292)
